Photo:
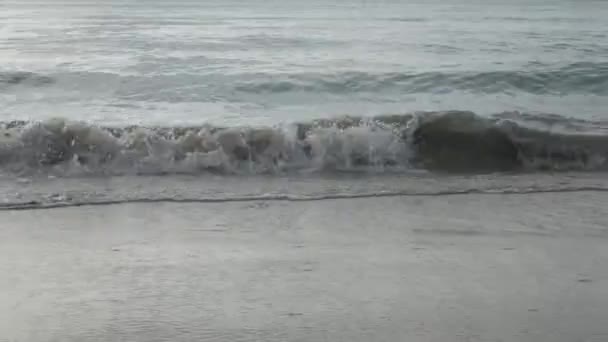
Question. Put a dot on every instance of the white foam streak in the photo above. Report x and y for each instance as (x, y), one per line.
(74, 147)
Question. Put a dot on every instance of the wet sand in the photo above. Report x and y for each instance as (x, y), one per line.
(445, 268)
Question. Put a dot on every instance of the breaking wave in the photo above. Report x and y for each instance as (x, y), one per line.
(453, 141)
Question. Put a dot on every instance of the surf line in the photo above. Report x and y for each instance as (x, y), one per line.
(38, 205)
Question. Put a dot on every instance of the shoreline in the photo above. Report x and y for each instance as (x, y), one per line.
(34, 205)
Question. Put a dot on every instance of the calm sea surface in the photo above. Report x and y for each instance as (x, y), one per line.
(268, 62)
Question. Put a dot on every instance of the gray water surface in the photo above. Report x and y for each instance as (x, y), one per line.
(265, 62)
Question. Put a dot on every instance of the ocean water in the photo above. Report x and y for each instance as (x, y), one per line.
(322, 170)
(302, 89)
(265, 62)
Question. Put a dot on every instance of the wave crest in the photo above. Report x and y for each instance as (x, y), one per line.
(452, 141)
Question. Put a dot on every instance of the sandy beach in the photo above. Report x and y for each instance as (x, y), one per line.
(445, 268)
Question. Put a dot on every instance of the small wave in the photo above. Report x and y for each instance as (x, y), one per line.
(585, 78)
(453, 141)
(576, 78)
(407, 19)
(13, 78)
